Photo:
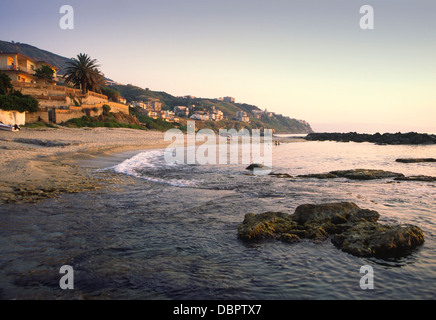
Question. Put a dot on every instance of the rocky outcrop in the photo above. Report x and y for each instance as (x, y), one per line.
(417, 178)
(366, 174)
(281, 175)
(319, 176)
(352, 229)
(355, 174)
(387, 138)
(416, 160)
(254, 166)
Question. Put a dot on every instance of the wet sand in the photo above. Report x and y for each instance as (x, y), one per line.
(36, 164)
(40, 163)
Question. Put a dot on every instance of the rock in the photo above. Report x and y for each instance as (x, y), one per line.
(281, 175)
(366, 174)
(376, 240)
(382, 139)
(353, 230)
(319, 176)
(416, 160)
(356, 174)
(417, 178)
(255, 166)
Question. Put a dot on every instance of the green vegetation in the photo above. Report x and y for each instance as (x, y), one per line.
(279, 123)
(83, 73)
(40, 124)
(45, 73)
(111, 93)
(109, 121)
(132, 93)
(152, 124)
(5, 84)
(12, 100)
(18, 103)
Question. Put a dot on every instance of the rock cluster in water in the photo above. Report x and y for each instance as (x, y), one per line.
(386, 138)
(352, 229)
(367, 174)
(356, 174)
(416, 160)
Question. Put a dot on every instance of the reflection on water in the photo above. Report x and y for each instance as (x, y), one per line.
(170, 232)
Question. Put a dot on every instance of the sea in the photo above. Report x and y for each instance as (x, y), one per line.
(159, 231)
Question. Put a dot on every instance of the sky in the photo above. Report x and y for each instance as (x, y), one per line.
(307, 59)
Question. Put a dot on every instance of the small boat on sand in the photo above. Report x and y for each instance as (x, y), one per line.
(6, 127)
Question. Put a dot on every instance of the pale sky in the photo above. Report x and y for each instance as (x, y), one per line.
(306, 59)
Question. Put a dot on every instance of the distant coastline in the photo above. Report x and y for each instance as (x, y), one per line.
(412, 138)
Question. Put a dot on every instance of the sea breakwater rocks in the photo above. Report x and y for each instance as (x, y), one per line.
(355, 174)
(352, 229)
(386, 138)
(417, 178)
(281, 175)
(416, 160)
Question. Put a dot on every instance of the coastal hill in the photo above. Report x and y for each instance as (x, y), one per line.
(35, 53)
(258, 118)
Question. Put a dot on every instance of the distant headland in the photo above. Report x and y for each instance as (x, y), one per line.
(377, 138)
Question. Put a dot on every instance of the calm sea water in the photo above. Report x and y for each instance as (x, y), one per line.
(170, 232)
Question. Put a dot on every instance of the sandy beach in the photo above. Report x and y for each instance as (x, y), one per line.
(41, 163)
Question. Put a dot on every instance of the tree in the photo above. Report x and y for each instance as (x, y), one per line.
(45, 73)
(112, 94)
(5, 83)
(83, 73)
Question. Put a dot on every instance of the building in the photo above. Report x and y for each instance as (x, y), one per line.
(121, 100)
(139, 104)
(242, 116)
(217, 115)
(57, 103)
(21, 68)
(228, 99)
(269, 114)
(152, 114)
(201, 117)
(156, 106)
(181, 111)
(258, 114)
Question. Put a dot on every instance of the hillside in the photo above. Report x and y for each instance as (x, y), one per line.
(132, 93)
(35, 53)
(278, 122)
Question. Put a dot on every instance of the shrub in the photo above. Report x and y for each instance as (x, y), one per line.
(19, 103)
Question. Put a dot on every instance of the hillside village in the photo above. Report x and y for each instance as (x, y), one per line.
(60, 102)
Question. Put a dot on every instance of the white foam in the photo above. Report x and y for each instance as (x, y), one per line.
(150, 159)
(140, 161)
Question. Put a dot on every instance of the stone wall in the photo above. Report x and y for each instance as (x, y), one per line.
(12, 118)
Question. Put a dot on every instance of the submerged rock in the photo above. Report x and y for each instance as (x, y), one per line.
(281, 175)
(353, 230)
(319, 176)
(386, 138)
(416, 160)
(366, 174)
(355, 174)
(417, 178)
(255, 166)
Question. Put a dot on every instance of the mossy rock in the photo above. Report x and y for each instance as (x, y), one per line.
(352, 229)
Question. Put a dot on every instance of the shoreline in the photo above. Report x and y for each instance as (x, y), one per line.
(37, 164)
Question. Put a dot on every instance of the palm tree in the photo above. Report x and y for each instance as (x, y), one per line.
(83, 73)
(99, 82)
